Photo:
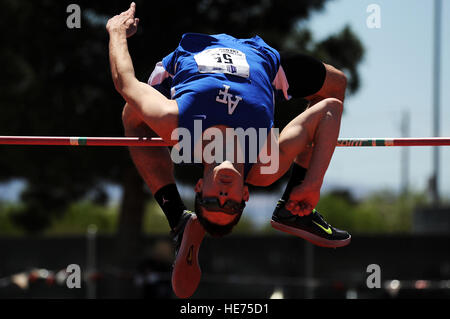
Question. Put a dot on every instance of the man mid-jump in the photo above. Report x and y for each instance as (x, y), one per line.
(229, 83)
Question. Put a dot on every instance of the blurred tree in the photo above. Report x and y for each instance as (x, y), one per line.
(56, 81)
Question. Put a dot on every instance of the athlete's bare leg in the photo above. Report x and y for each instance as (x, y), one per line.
(153, 163)
(304, 158)
(318, 125)
(295, 213)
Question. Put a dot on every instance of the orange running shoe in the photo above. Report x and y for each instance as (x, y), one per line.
(186, 273)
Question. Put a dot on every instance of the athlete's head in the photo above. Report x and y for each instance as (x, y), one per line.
(220, 198)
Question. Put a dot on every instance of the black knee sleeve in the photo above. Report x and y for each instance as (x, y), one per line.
(304, 73)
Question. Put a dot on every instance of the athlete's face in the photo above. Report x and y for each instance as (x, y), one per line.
(223, 182)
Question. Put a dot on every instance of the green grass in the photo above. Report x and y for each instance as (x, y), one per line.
(79, 216)
(380, 213)
(7, 227)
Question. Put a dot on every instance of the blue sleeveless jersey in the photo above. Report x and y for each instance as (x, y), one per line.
(221, 80)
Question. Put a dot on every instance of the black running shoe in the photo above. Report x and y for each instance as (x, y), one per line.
(312, 228)
(188, 236)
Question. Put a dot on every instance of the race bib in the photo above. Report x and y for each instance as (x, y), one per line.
(223, 60)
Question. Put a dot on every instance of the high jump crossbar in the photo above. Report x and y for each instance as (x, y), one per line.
(157, 141)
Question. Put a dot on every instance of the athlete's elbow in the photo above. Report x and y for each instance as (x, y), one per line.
(124, 84)
(335, 84)
(118, 85)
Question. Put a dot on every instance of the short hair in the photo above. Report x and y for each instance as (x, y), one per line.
(211, 228)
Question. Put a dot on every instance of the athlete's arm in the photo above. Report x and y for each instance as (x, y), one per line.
(120, 27)
(133, 91)
(155, 109)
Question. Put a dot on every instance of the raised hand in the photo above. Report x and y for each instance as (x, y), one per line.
(303, 200)
(124, 23)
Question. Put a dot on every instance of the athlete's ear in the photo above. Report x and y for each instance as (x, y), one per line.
(246, 194)
(199, 186)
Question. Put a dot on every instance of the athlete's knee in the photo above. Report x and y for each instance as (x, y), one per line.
(133, 124)
(128, 117)
(333, 105)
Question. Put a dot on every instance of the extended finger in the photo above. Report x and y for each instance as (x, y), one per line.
(130, 12)
(132, 9)
(125, 13)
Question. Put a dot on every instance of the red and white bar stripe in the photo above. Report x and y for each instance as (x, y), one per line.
(374, 142)
(157, 141)
(82, 141)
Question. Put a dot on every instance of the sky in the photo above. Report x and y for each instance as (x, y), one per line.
(396, 77)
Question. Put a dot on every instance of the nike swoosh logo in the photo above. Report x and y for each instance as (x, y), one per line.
(327, 230)
(190, 255)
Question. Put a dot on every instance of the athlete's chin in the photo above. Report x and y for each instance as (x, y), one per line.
(227, 172)
(229, 181)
